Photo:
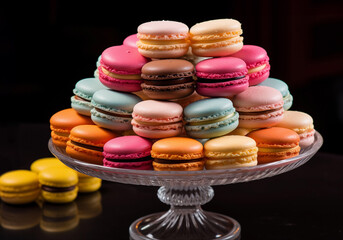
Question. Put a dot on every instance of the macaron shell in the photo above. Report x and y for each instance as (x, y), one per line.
(58, 177)
(84, 154)
(167, 69)
(252, 55)
(161, 28)
(123, 60)
(89, 184)
(157, 111)
(275, 137)
(43, 163)
(177, 148)
(131, 41)
(157, 131)
(261, 120)
(223, 89)
(277, 156)
(258, 98)
(191, 166)
(215, 26)
(142, 165)
(127, 147)
(297, 121)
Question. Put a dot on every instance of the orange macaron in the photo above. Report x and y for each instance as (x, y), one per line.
(177, 154)
(62, 122)
(86, 143)
(275, 143)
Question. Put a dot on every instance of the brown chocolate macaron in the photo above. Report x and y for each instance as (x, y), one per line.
(168, 79)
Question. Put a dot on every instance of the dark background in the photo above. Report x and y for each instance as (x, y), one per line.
(47, 46)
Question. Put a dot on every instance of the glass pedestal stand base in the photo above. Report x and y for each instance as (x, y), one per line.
(185, 219)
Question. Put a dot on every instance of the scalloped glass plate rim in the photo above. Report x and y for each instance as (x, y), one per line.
(311, 150)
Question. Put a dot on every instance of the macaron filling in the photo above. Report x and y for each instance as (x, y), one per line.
(57, 189)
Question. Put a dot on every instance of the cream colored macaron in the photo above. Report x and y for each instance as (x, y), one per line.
(216, 38)
(230, 152)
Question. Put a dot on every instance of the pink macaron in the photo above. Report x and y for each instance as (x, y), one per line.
(120, 68)
(131, 41)
(157, 119)
(131, 152)
(221, 77)
(257, 62)
(259, 107)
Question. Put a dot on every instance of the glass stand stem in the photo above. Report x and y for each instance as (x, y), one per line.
(185, 218)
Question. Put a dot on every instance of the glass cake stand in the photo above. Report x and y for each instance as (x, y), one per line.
(185, 192)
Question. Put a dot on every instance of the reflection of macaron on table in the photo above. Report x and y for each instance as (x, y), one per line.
(62, 122)
(157, 119)
(168, 79)
(59, 217)
(216, 38)
(257, 62)
(84, 90)
(259, 107)
(58, 184)
(177, 154)
(120, 68)
(275, 144)
(283, 88)
(19, 217)
(87, 141)
(131, 152)
(230, 152)
(113, 109)
(19, 187)
(221, 77)
(163, 39)
(210, 118)
(301, 123)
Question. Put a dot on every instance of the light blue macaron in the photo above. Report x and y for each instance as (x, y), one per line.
(84, 90)
(113, 110)
(211, 117)
(283, 88)
(96, 72)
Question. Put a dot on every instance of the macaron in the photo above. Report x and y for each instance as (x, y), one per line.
(177, 154)
(163, 39)
(216, 38)
(257, 61)
(120, 68)
(62, 122)
(58, 184)
(275, 144)
(131, 152)
(157, 119)
(230, 152)
(283, 88)
(221, 77)
(113, 110)
(131, 40)
(211, 117)
(96, 72)
(87, 184)
(84, 90)
(168, 79)
(259, 107)
(42, 163)
(19, 187)
(58, 218)
(301, 123)
(87, 141)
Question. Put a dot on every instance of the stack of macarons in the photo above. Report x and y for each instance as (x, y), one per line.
(168, 88)
(49, 180)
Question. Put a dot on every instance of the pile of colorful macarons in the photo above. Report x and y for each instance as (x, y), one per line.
(48, 180)
(173, 98)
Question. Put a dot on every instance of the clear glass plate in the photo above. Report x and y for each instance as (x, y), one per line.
(185, 192)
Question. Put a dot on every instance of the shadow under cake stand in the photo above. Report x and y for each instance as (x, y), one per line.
(185, 192)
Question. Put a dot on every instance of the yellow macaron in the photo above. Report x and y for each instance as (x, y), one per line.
(230, 152)
(59, 184)
(88, 183)
(19, 187)
(42, 163)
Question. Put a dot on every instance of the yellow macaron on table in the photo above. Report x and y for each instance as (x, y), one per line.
(186, 191)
